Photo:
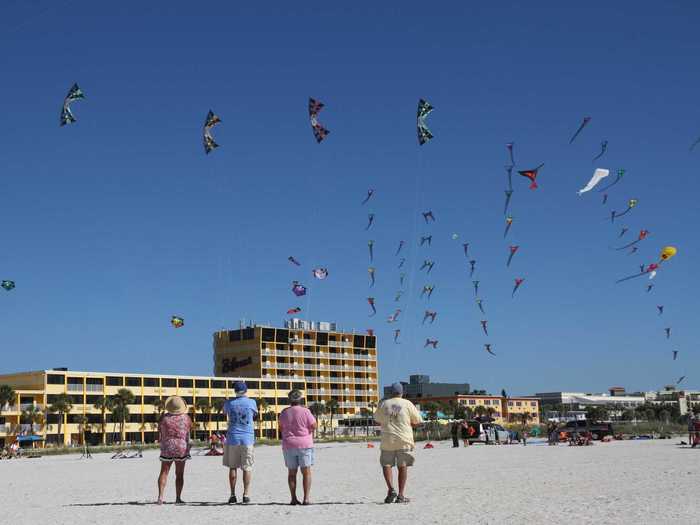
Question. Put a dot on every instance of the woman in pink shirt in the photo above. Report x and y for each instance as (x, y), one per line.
(297, 425)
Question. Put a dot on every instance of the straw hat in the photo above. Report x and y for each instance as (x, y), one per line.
(175, 405)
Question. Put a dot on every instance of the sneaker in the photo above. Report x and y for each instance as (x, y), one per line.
(232, 500)
(390, 497)
(246, 500)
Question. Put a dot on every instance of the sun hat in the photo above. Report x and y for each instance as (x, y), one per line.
(240, 388)
(175, 405)
(294, 396)
(397, 389)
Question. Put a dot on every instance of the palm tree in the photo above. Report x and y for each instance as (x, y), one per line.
(83, 425)
(217, 406)
(33, 415)
(317, 409)
(7, 396)
(61, 406)
(202, 404)
(120, 408)
(262, 410)
(332, 408)
(480, 410)
(103, 404)
(431, 410)
(490, 411)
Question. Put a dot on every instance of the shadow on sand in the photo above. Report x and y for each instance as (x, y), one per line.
(206, 504)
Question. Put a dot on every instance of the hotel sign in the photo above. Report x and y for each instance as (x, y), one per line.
(233, 364)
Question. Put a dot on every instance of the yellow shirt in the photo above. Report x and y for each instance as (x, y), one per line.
(396, 415)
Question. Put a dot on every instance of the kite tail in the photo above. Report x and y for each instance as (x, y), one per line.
(630, 277)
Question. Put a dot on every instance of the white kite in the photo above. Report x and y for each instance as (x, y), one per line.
(598, 175)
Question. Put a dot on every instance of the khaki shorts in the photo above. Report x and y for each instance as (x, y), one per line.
(238, 456)
(397, 458)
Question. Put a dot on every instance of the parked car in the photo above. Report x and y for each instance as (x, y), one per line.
(482, 432)
(597, 430)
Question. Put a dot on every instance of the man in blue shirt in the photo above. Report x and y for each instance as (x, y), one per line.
(240, 438)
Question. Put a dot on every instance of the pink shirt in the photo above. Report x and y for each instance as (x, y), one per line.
(297, 424)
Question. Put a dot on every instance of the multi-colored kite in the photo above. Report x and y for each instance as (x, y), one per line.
(620, 174)
(7, 285)
(509, 223)
(680, 380)
(207, 138)
(532, 175)
(397, 333)
(512, 250)
(370, 246)
(598, 175)
(518, 282)
(585, 122)
(476, 288)
(394, 317)
(484, 327)
(472, 267)
(630, 204)
(298, 289)
(643, 234)
(603, 149)
(649, 287)
(294, 310)
(370, 301)
(320, 273)
(427, 264)
(75, 93)
(424, 134)
(177, 322)
(315, 108)
(370, 192)
(623, 231)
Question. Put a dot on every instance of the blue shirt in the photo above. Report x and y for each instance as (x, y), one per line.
(240, 411)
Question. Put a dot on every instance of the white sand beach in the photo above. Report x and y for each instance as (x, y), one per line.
(623, 482)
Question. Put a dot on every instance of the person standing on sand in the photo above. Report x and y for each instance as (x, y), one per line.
(397, 418)
(174, 436)
(454, 430)
(297, 426)
(240, 438)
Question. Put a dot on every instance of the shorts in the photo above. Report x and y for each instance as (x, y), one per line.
(397, 458)
(239, 456)
(298, 457)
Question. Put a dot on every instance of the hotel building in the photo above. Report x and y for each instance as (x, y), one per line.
(85, 389)
(334, 364)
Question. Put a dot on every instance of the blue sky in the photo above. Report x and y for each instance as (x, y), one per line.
(115, 223)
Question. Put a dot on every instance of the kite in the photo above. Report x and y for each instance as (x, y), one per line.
(370, 245)
(633, 250)
(402, 276)
(455, 236)
(426, 239)
(431, 342)
(397, 333)
(605, 198)
(480, 304)
(598, 175)
(7, 285)
(394, 317)
(370, 218)
(666, 253)
(509, 171)
(509, 194)
(641, 267)
(427, 289)
(585, 122)
(370, 301)
(424, 134)
(668, 333)
(370, 192)
(642, 235)
(518, 282)
(532, 175)
(398, 296)
(75, 93)
(509, 146)
(429, 315)
(476, 288)
(649, 287)
(293, 261)
(660, 308)
(209, 142)
(401, 262)
(675, 354)
(623, 231)
(466, 249)
(472, 267)
(484, 327)
(428, 215)
(320, 273)
(509, 223)
(651, 269)
(630, 204)
(177, 322)
(620, 174)
(680, 380)
(427, 264)
(513, 250)
(488, 349)
(298, 289)
(603, 149)
(315, 108)
(401, 243)
(294, 310)
(370, 271)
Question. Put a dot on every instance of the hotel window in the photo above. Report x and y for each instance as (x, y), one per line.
(268, 385)
(55, 379)
(322, 339)
(149, 400)
(150, 381)
(248, 333)
(371, 341)
(168, 382)
(133, 381)
(188, 399)
(270, 401)
(487, 402)
(533, 404)
(217, 383)
(298, 386)
(510, 403)
(283, 386)
(115, 381)
(253, 384)
(268, 334)
(472, 402)
(518, 403)
(76, 400)
(282, 336)
(234, 335)
(185, 383)
(91, 400)
(201, 383)
(358, 341)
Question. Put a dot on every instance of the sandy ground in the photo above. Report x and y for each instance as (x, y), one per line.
(624, 482)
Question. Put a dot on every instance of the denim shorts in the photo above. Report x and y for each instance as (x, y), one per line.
(298, 457)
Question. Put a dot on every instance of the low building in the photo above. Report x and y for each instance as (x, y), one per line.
(36, 391)
(419, 386)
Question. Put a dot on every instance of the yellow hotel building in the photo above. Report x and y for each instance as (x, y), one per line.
(335, 365)
(39, 389)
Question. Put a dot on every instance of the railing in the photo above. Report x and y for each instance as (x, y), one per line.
(340, 344)
(325, 392)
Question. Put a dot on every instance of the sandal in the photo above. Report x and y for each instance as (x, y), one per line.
(390, 497)
(402, 499)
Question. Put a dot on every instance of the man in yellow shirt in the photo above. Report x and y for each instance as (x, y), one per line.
(397, 417)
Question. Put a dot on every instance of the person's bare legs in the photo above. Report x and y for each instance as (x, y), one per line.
(306, 474)
(232, 480)
(403, 476)
(292, 482)
(179, 480)
(388, 478)
(247, 476)
(163, 479)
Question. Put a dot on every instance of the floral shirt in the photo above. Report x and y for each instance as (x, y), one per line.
(174, 436)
